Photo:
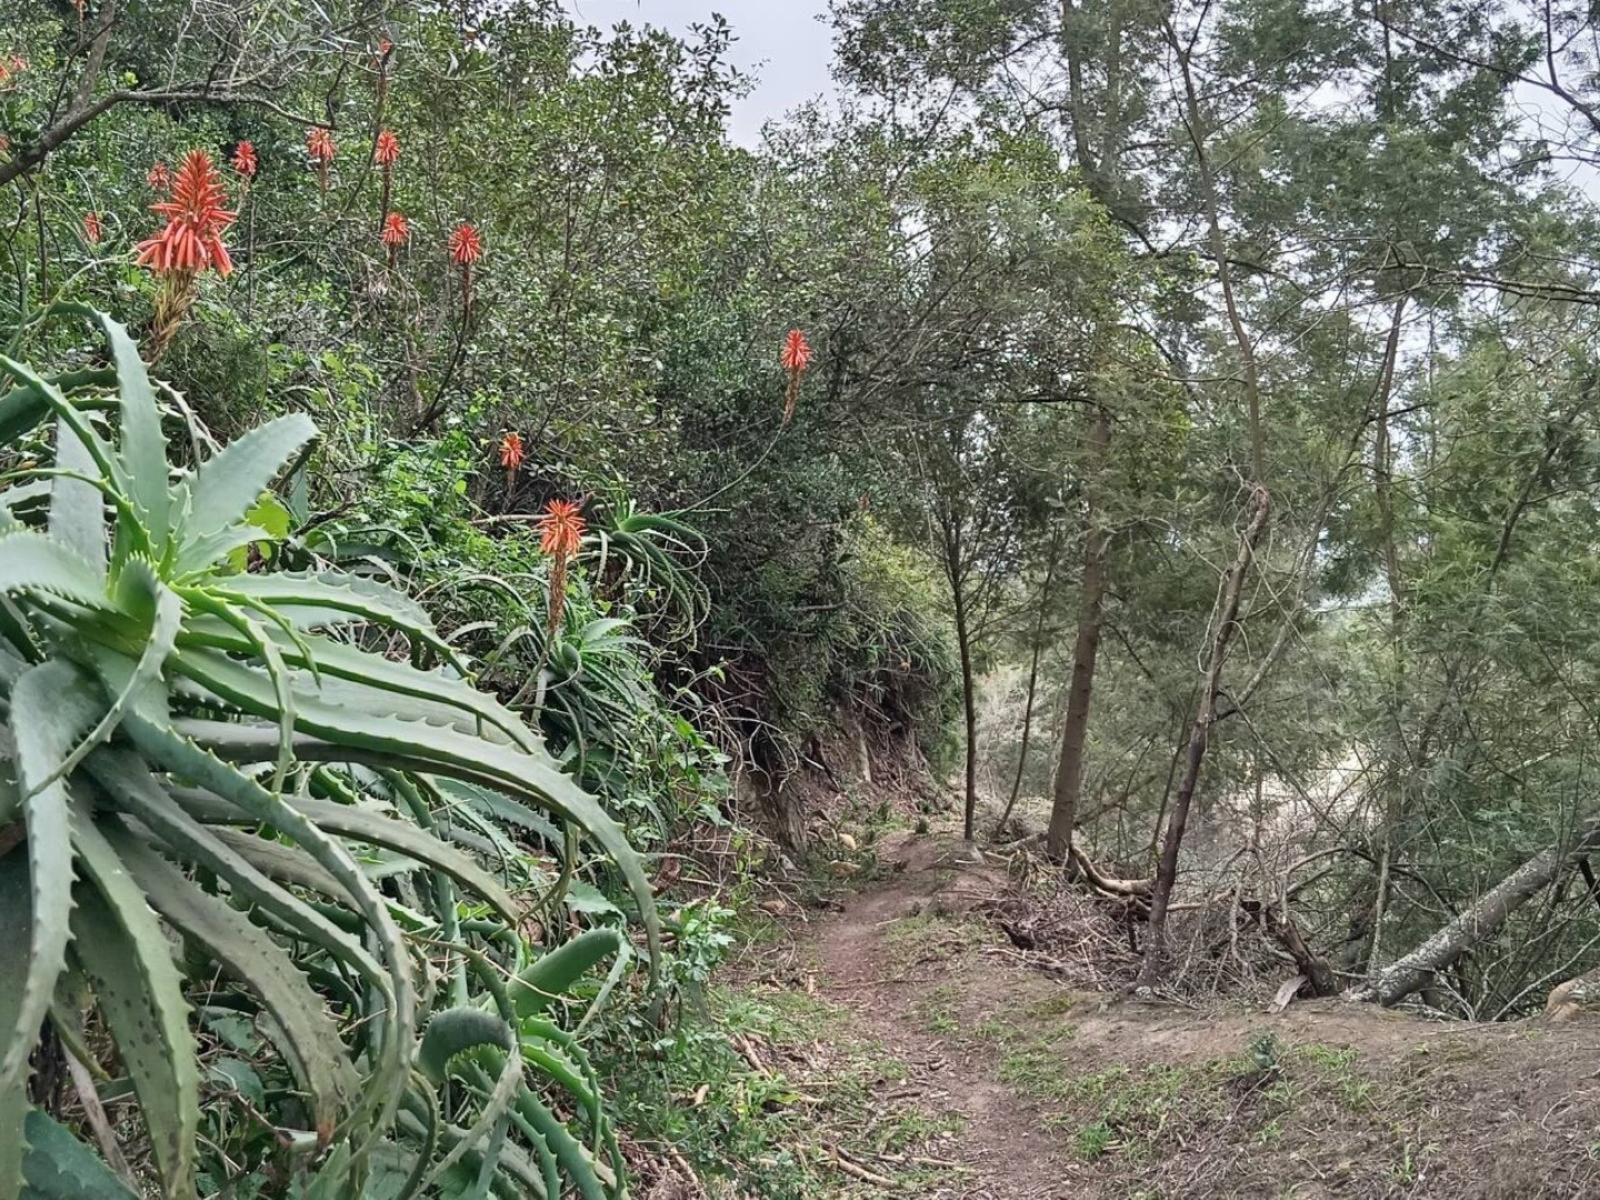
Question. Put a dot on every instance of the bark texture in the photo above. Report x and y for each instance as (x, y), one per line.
(1406, 975)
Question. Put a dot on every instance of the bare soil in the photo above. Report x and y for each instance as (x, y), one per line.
(1065, 1093)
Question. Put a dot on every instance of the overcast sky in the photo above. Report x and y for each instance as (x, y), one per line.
(783, 44)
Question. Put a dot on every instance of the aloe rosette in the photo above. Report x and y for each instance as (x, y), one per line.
(190, 748)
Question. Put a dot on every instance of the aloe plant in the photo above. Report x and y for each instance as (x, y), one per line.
(197, 750)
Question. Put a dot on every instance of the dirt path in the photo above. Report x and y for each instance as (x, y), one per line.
(1043, 1092)
(885, 982)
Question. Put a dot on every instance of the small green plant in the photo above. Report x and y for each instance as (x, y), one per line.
(1093, 1141)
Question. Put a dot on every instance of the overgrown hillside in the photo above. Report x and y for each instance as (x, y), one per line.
(478, 548)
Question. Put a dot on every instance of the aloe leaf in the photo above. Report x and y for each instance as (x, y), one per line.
(552, 975)
(503, 809)
(165, 617)
(144, 446)
(60, 1167)
(458, 1031)
(31, 562)
(52, 705)
(16, 913)
(226, 485)
(24, 408)
(493, 1114)
(309, 1036)
(278, 861)
(49, 395)
(353, 736)
(125, 954)
(362, 598)
(413, 842)
(365, 599)
(128, 782)
(385, 685)
(181, 756)
(77, 509)
(576, 1161)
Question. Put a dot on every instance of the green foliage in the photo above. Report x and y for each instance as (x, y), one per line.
(154, 697)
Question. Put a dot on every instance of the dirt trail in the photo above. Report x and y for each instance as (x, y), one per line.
(1005, 1155)
(1065, 1094)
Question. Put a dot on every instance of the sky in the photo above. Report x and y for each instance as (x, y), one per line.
(784, 45)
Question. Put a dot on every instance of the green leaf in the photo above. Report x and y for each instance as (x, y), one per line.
(60, 1167)
(31, 562)
(50, 397)
(364, 599)
(387, 686)
(144, 446)
(163, 746)
(77, 508)
(416, 843)
(354, 736)
(226, 486)
(457, 1031)
(52, 705)
(553, 975)
(24, 408)
(125, 954)
(489, 1119)
(129, 783)
(309, 1037)
(574, 1157)
(140, 590)
(585, 898)
(16, 913)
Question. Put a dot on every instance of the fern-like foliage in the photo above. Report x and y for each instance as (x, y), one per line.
(189, 748)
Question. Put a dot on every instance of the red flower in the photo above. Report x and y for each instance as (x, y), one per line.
(387, 150)
(512, 451)
(561, 528)
(192, 239)
(396, 230)
(560, 535)
(465, 245)
(91, 228)
(319, 144)
(796, 356)
(159, 177)
(244, 160)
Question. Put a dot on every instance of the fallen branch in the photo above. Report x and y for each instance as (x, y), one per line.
(855, 1170)
(1482, 920)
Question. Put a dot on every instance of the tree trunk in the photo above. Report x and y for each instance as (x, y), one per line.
(1069, 769)
(1033, 682)
(1200, 735)
(1383, 489)
(1482, 920)
(969, 708)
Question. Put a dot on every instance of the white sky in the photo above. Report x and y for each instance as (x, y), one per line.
(784, 45)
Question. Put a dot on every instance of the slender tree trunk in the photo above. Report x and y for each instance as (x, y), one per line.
(1383, 494)
(1033, 680)
(969, 708)
(1481, 921)
(1069, 768)
(1200, 735)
